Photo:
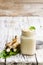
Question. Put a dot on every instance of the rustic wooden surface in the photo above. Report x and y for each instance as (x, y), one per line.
(22, 1)
(39, 55)
(20, 59)
(21, 7)
(2, 61)
(36, 59)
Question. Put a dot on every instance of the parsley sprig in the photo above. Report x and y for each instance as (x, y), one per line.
(32, 28)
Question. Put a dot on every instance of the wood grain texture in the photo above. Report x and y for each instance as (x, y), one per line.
(21, 60)
(21, 10)
(21, 7)
(22, 1)
(39, 54)
(2, 61)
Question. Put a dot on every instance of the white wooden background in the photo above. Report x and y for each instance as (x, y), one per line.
(11, 26)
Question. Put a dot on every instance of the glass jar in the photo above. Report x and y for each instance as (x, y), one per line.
(28, 42)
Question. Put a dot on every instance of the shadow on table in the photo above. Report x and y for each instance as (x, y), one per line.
(39, 44)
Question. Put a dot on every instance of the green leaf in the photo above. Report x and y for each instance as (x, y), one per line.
(32, 28)
(5, 54)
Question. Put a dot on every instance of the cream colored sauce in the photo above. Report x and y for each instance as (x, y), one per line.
(28, 46)
(28, 42)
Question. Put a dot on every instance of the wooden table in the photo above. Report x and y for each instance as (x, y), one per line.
(21, 7)
(20, 59)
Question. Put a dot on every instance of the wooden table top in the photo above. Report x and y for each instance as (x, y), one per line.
(20, 59)
(21, 7)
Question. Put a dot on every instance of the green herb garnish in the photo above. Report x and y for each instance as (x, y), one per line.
(32, 28)
(5, 54)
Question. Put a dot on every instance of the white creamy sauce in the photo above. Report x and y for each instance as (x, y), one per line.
(28, 44)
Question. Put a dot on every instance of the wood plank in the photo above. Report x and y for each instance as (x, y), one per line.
(21, 9)
(2, 61)
(21, 59)
(22, 1)
(39, 55)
